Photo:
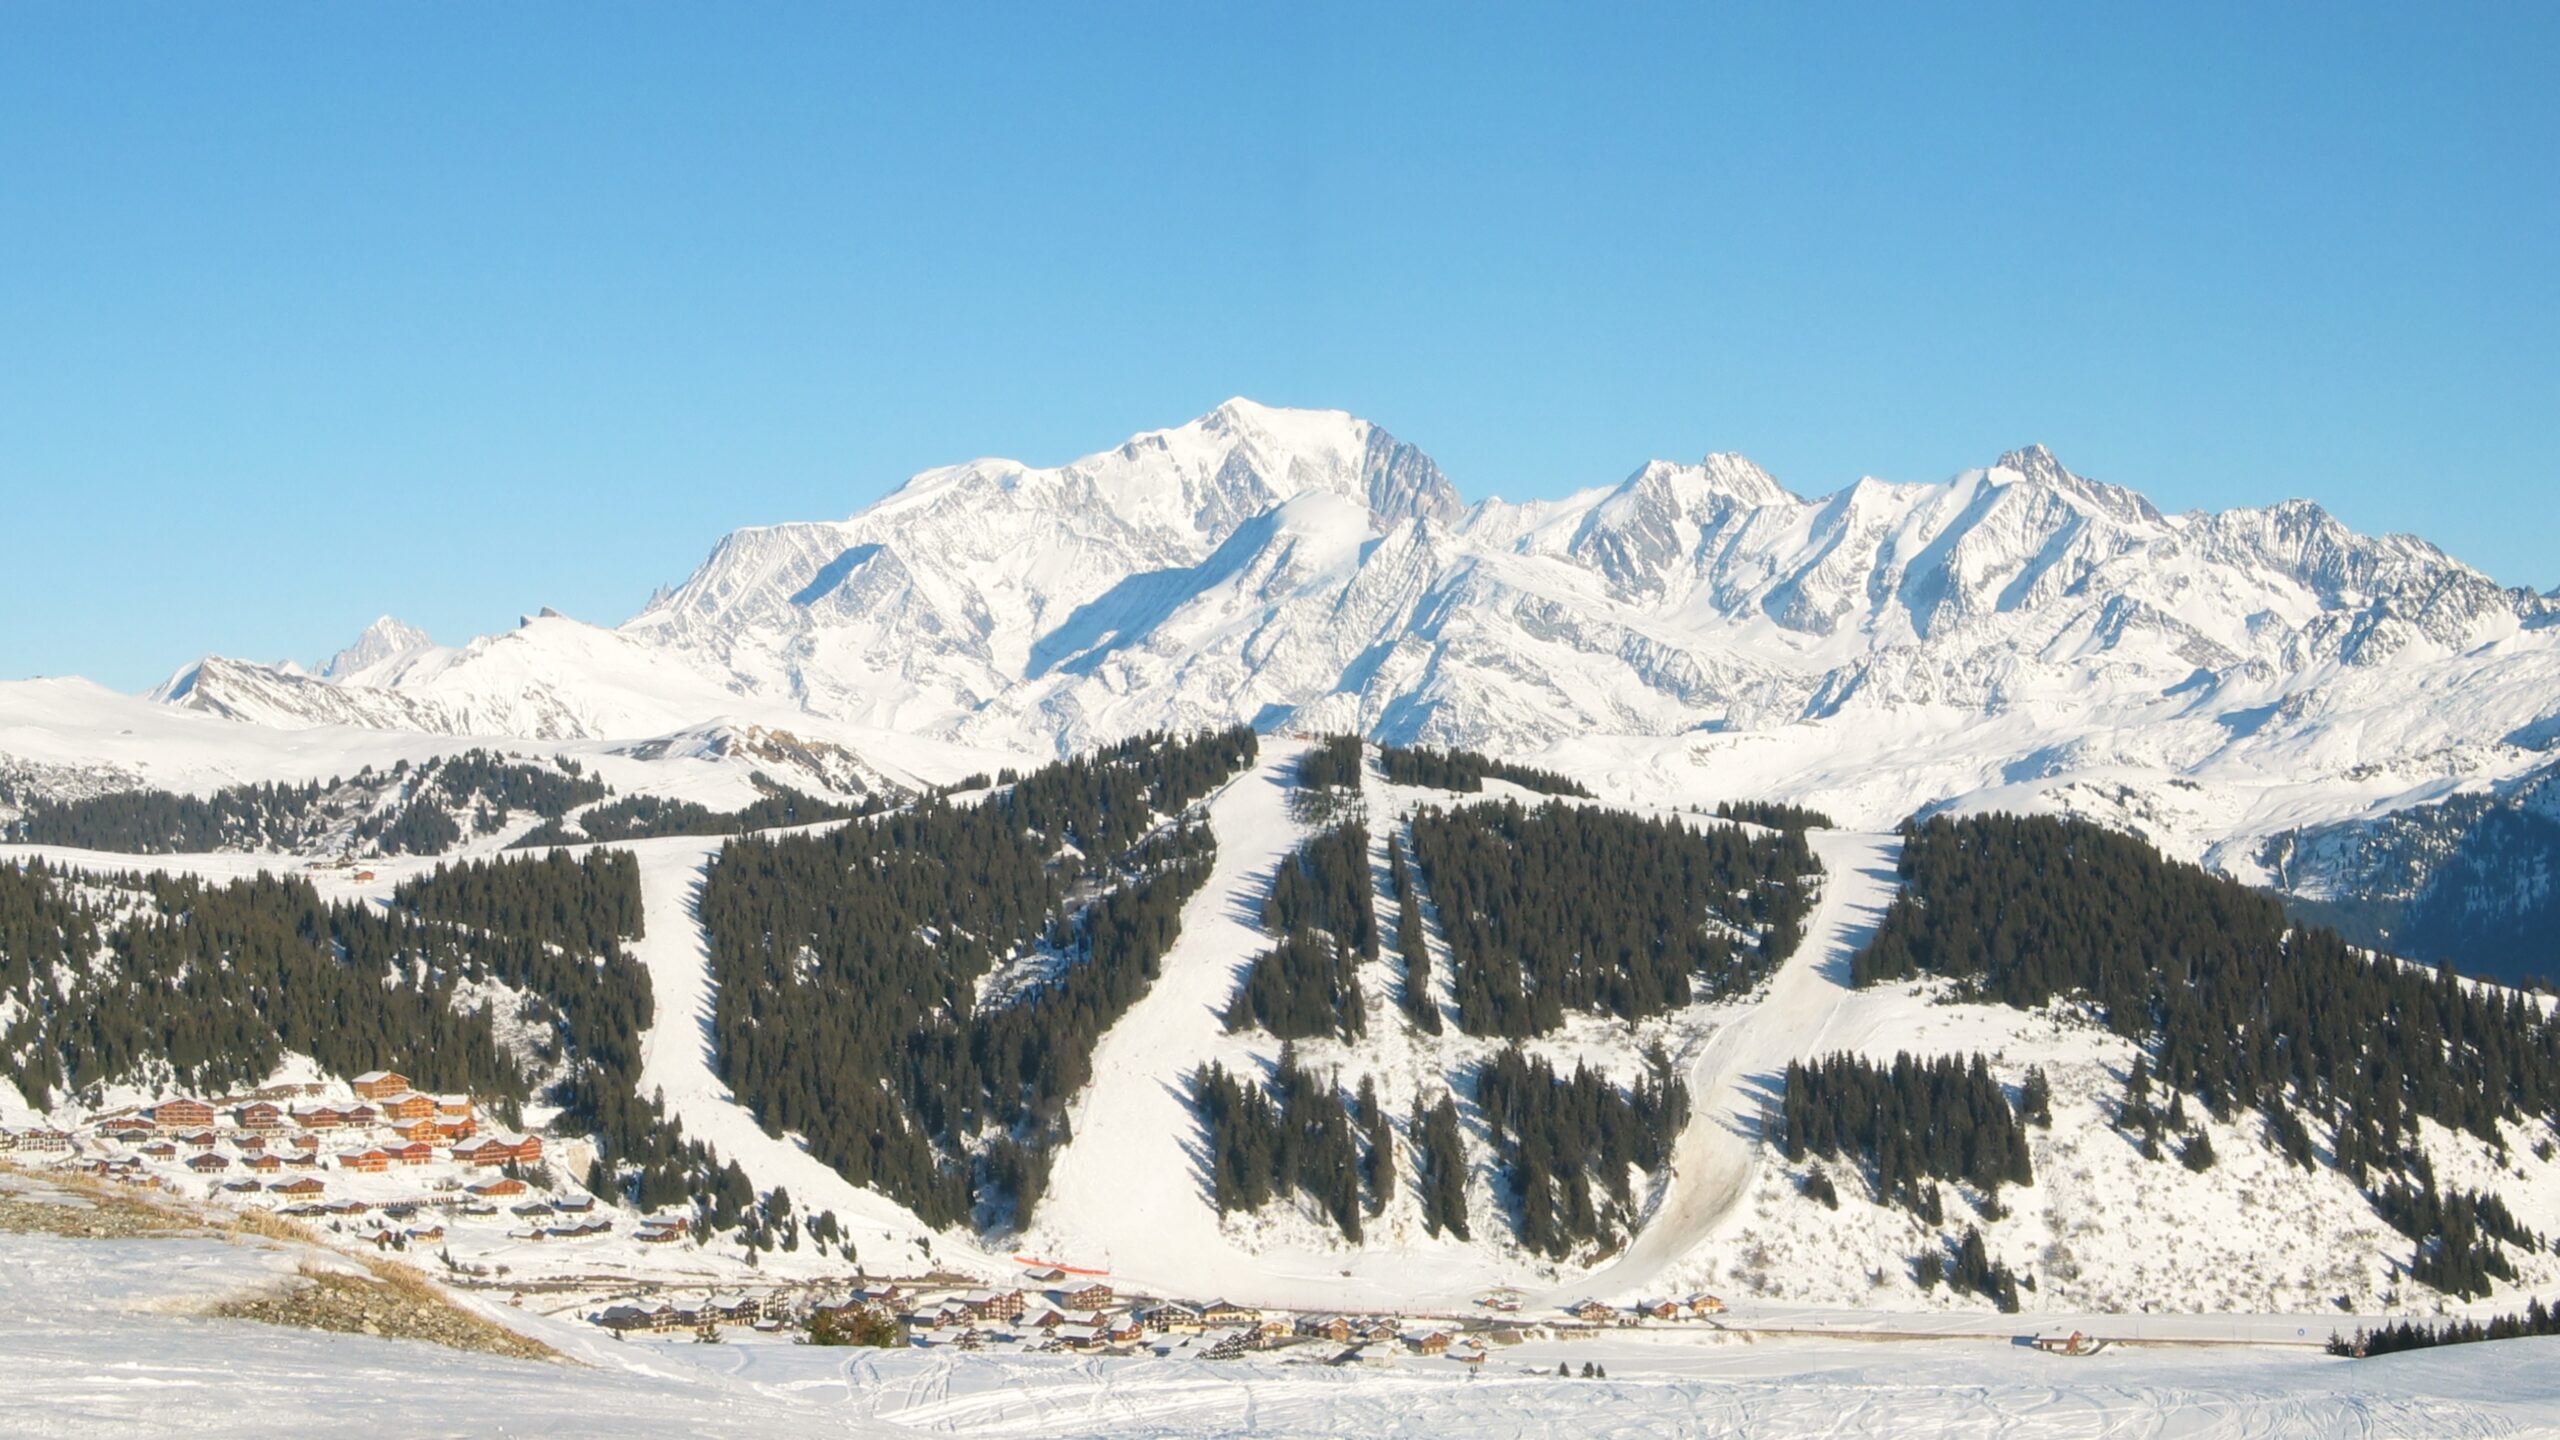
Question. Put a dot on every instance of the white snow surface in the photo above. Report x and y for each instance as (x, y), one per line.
(103, 1339)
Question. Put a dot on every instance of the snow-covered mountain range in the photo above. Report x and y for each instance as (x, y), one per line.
(2019, 635)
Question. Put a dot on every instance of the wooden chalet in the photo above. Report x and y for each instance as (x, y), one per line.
(365, 1162)
(1598, 1312)
(209, 1164)
(504, 1187)
(489, 1153)
(1325, 1327)
(261, 1115)
(319, 1117)
(181, 1115)
(1434, 1343)
(1170, 1316)
(408, 1108)
(1705, 1305)
(1227, 1312)
(299, 1185)
(1095, 1296)
(262, 1164)
(381, 1084)
(414, 1152)
(1074, 1339)
(994, 1304)
(1663, 1310)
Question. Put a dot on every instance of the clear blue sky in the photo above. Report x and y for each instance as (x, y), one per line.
(455, 311)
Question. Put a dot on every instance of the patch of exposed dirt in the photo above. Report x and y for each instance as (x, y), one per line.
(398, 1305)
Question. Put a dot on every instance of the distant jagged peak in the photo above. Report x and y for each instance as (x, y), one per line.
(1721, 475)
(2037, 466)
(385, 638)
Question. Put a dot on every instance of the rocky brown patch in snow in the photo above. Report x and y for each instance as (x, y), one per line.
(394, 1303)
(75, 1209)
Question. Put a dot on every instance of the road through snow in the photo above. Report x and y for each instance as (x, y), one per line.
(1737, 1074)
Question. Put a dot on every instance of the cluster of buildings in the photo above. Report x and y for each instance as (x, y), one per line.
(390, 1125)
(762, 1312)
(299, 1148)
(1059, 1313)
(1600, 1312)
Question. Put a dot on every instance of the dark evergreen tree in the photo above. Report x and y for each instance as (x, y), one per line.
(1566, 908)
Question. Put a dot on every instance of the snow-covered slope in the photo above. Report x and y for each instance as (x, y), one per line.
(2019, 635)
(105, 1337)
(2102, 1229)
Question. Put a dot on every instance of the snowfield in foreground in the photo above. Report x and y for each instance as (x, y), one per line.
(101, 1339)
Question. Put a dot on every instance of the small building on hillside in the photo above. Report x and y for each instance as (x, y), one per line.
(261, 1115)
(381, 1084)
(365, 1162)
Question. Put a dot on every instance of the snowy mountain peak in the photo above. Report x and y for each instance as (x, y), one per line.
(2037, 466)
(382, 640)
